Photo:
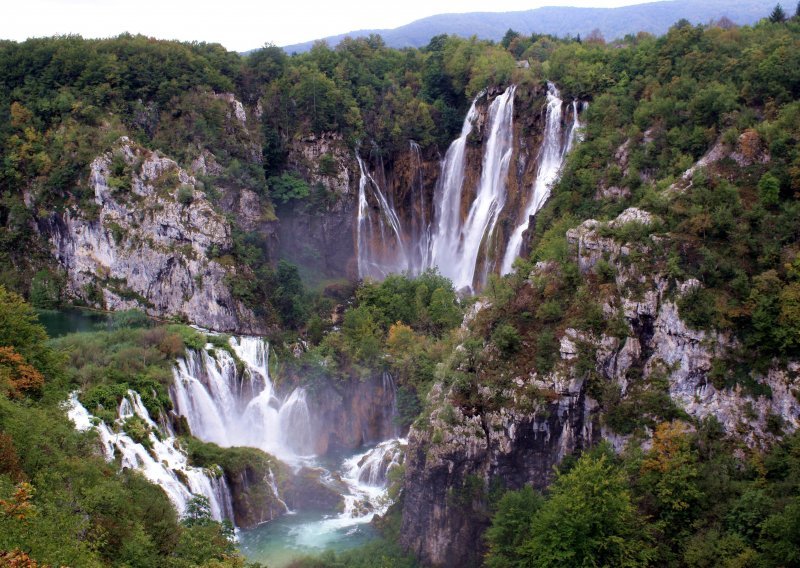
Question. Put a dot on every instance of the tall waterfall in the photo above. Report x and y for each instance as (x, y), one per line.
(232, 409)
(478, 229)
(457, 237)
(551, 156)
(380, 245)
(164, 463)
(447, 236)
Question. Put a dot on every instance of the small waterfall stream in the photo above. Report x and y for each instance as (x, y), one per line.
(380, 246)
(420, 233)
(164, 463)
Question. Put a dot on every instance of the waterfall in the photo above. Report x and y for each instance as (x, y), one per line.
(163, 463)
(221, 405)
(366, 476)
(372, 468)
(478, 230)
(447, 237)
(230, 409)
(551, 156)
(379, 237)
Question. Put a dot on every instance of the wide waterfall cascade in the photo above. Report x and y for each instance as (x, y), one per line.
(380, 245)
(478, 229)
(230, 408)
(446, 238)
(555, 146)
(164, 463)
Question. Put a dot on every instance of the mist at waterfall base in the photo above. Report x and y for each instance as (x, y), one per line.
(463, 247)
(233, 408)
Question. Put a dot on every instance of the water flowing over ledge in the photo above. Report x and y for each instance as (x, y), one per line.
(227, 397)
(555, 146)
(467, 230)
(165, 464)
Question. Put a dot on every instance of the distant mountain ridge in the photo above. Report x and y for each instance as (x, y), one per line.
(653, 17)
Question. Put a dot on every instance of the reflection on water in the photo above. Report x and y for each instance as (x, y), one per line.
(73, 320)
(279, 542)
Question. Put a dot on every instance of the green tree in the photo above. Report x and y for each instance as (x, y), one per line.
(588, 520)
(778, 15)
(511, 526)
(769, 190)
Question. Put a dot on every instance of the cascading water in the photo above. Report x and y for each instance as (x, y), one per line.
(380, 246)
(478, 230)
(233, 409)
(551, 157)
(163, 463)
(371, 469)
(447, 236)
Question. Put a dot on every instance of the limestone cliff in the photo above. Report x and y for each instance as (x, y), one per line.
(465, 452)
(317, 234)
(151, 240)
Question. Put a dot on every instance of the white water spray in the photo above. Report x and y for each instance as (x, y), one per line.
(164, 463)
(380, 246)
(478, 230)
(232, 409)
(551, 157)
(447, 236)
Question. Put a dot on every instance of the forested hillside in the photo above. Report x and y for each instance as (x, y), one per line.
(628, 395)
(562, 21)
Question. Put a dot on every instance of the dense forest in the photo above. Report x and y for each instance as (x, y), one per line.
(684, 493)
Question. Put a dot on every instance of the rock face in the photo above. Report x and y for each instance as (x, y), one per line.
(662, 343)
(452, 466)
(455, 461)
(253, 495)
(346, 416)
(152, 243)
(317, 234)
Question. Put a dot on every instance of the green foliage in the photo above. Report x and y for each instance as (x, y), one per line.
(185, 195)
(769, 190)
(588, 519)
(427, 303)
(104, 365)
(46, 290)
(288, 187)
(511, 527)
(777, 15)
(506, 338)
(20, 329)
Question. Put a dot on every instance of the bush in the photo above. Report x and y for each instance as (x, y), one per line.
(185, 195)
(288, 187)
(507, 339)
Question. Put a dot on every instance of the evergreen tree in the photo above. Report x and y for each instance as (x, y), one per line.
(778, 15)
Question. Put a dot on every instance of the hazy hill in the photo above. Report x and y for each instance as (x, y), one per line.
(654, 17)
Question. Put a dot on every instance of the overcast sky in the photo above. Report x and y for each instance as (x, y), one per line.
(239, 24)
